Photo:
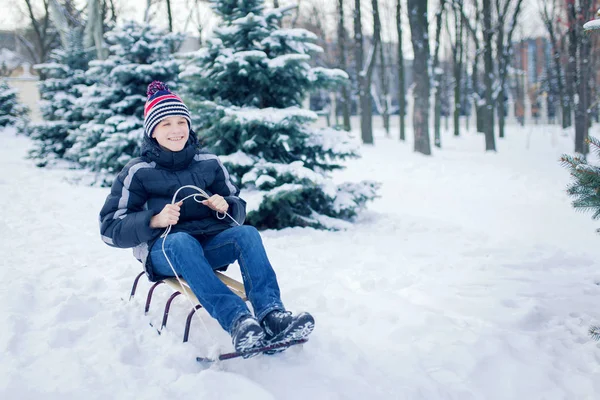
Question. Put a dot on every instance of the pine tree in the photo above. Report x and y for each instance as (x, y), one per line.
(12, 113)
(59, 91)
(245, 90)
(114, 102)
(585, 187)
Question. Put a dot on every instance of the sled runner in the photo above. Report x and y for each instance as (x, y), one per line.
(265, 349)
(234, 285)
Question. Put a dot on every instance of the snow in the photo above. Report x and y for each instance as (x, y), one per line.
(592, 25)
(9, 58)
(293, 34)
(295, 169)
(275, 116)
(284, 60)
(330, 73)
(238, 158)
(470, 278)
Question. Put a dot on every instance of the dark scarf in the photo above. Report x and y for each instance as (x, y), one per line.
(172, 160)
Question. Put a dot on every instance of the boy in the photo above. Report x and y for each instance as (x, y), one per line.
(139, 208)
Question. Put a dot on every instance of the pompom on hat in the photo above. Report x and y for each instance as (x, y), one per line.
(161, 104)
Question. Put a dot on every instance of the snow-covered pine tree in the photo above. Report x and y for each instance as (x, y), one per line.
(585, 187)
(114, 102)
(12, 113)
(245, 90)
(65, 76)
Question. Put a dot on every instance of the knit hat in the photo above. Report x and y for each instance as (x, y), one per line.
(161, 104)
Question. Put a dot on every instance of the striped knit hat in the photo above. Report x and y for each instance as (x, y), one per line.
(162, 104)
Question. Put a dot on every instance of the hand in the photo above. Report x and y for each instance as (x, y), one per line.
(168, 216)
(217, 203)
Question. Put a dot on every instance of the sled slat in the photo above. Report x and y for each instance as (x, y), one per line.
(235, 286)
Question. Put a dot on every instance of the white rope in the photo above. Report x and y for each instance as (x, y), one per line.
(196, 197)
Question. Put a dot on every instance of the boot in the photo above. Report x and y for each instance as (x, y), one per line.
(247, 334)
(282, 326)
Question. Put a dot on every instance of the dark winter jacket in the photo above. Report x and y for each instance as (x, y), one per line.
(147, 183)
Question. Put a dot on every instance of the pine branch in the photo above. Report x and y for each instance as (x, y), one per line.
(595, 144)
(585, 187)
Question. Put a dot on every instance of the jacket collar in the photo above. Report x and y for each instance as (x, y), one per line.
(172, 160)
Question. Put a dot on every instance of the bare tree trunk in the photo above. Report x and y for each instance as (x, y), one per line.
(365, 73)
(94, 29)
(419, 28)
(363, 91)
(582, 122)
(488, 73)
(572, 64)
(479, 111)
(365, 106)
(500, 56)
(437, 75)
(169, 15)
(113, 12)
(43, 34)
(342, 43)
(458, 65)
(549, 19)
(275, 3)
(382, 74)
(504, 52)
(401, 82)
(385, 89)
(464, 90)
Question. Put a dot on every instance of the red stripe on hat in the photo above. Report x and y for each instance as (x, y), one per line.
(157, 100)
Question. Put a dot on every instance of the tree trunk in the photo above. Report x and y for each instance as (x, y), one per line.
(488, 73)
(437, 115)
(417, 14)
(464, 90)
(43, 33)
(382, 74)
(359, 59)
(437, 112)
(572, 64)
(582, 122)
(549, 21)
(169, 16)
(500, 57)
(458, 67)
(365, 74)
(384, 88)
(364, 92)
(504, 51)
(401, 82)
(476, 98)
(342, 42)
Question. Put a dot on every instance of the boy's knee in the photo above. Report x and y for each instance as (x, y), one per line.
(179, 240)
(248, 231)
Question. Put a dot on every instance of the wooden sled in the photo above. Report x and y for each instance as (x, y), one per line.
(234, 285)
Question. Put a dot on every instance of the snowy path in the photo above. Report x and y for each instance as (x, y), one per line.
(471, 278)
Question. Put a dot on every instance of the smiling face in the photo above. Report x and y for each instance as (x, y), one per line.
(172, 133)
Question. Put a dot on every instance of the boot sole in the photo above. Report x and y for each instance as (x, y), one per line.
(253, 339)
(296, 331)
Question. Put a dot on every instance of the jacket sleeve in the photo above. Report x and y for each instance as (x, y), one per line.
(223, 186)
(123, 221)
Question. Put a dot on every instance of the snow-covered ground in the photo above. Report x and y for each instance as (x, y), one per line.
(470, 278)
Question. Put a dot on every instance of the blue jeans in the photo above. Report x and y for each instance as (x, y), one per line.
(195, 261)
